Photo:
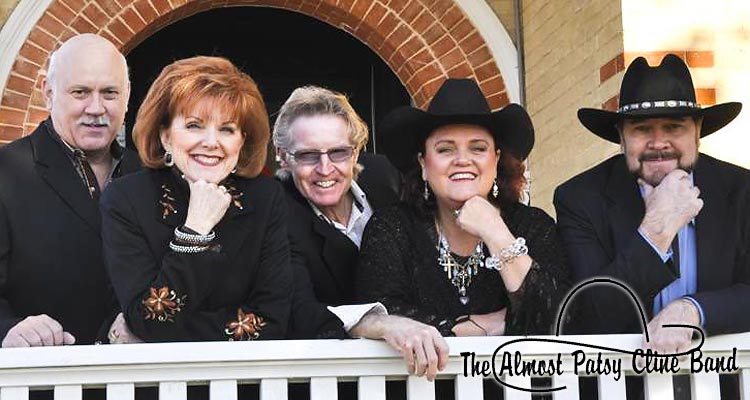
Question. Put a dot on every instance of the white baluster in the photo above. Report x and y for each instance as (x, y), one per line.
(419, 388)
(371, 388)
(609, 388)
(172, 391)
(14, 393)
(571, 391)
(324, 389)
(223, 390)
(469, 387)
(120, 391)
(519, 381)
(705, 386)
(273, 389)
(659, 387)
(745, 384)
(69, 392)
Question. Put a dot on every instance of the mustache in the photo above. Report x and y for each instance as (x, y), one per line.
(101, 120)
(660, 156)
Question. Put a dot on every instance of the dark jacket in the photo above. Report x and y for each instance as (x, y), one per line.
(247, 274)
(598, 214)
(50, 243)
(324, 258)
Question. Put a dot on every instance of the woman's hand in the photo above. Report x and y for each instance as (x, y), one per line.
(208, 204)
(480, 218)
(490, 324)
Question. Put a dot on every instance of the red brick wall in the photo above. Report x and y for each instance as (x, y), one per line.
(423, 41)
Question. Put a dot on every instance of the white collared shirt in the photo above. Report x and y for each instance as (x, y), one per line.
(360, 215)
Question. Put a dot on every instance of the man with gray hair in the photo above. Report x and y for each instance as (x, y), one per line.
(53, 287)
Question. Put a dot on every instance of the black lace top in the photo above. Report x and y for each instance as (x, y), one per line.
(398, 267)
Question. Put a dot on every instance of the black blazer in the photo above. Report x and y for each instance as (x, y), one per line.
(598, 213)
(247, 274)
(324, 259)
(50, 243)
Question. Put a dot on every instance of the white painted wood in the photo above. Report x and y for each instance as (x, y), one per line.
(518, 381)
(120, 391)
(323, 362)
(659, 387)
(223, 389)
(571, 391)
(371, 388)
(274, 389)
(745, 384)
(69, 392)
(15, 31)
(419, 388)
(172, 391)
(611, 389)
(705, 386)
(324, 389)
(14, 393)
(469, 387)
(498, 41)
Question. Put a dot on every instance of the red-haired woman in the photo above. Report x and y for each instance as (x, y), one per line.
(196, 244)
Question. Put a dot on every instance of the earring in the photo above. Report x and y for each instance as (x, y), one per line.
(234, 170)
(426, 194)
(168, 159)
(495, 190)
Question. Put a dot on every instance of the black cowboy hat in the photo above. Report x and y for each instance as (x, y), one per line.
(652, 92)
(458, 101)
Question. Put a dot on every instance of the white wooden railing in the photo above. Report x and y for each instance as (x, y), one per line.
(323, 363)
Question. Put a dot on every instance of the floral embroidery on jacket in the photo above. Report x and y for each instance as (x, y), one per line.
(167, 202)
(246, 327)
(235, 193)
(162, 304)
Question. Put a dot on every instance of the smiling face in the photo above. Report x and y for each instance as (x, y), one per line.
(326, 182)
(205, 144)
(460, 162)
(87, 97)
(655, 147)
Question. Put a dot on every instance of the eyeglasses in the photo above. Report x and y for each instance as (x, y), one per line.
(312, 157)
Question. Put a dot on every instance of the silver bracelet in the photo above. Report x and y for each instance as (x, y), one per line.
(193, 238)
(187, 249)
(517, 249)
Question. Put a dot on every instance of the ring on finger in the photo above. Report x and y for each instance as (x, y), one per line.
(223, 189)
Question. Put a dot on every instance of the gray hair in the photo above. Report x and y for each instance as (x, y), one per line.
(313, 100)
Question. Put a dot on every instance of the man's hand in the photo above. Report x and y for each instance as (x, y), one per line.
(672, 340)
(423, 348)
(669, 206)
(37, 330)
(119, 333)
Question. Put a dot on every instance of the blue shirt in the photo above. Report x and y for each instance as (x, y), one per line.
(687, 283)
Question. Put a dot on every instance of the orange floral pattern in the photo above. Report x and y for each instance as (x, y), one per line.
(246, 327)
(162, 304)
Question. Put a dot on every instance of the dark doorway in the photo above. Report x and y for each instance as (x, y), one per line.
(281, 50)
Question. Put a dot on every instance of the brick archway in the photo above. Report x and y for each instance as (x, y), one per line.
(422, 45)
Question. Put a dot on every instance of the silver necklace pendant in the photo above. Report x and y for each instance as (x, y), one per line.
(459, 274)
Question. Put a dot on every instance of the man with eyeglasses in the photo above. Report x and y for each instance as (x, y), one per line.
(319, 139)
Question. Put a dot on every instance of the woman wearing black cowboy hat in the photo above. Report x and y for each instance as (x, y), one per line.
(461, 253)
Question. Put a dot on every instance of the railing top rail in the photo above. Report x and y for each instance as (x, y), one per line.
(290, 351)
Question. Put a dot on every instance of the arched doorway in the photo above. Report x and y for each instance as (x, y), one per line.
(281, 50)
(423, 42)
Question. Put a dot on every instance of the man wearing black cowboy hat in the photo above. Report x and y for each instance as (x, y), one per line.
(672, 224)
